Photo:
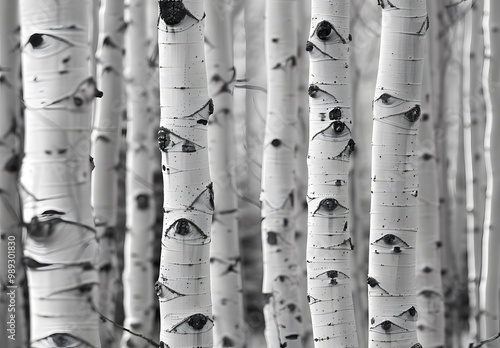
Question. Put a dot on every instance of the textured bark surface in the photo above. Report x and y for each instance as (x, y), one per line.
(430, 299)
(105, 149)
(393, 231)
(61, 246)
(280, 284)
(330, 146)
(183, 286)
(225, 258)
(137, 273)
(11, 267)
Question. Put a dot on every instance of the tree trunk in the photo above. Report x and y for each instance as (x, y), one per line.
(491, 85)
(61, 246)
(393, 231)
(183, 285)
(225, 258)
(430, 302)
(280, 284)
(137, 272)
(14, 335)
(105, 151)
(330, 146)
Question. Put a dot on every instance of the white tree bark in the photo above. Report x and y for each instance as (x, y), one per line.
(183, 285)
(225, 257)
(330, 146)
(393, 232)
(61, 246)
(489, 285)
(105, 150)
(430, 299)
(137, 273)
(11, 299)
(280, 284)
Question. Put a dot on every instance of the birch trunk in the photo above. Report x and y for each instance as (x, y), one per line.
(137, 272)
(61, 246)
(393, 232)
(491, 86)
(183, 286)
(478, 116)
(13, 334)
(430, 297)
(330, 146)
(280, 284)
(105, 151)
(225, 258)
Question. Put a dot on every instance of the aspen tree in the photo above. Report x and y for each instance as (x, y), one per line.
(137, 273)
(489, 305)
(330, 146)
(183, 286)
(430, 299)
(280, 284)
(61, 245)
(105, 151)
(255, 83)
(10, 160)
(391, 278)
(225, 258)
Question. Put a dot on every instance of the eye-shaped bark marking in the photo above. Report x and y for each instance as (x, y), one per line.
(336, 131)
(272, 238)
(409, 315)
(46, 44)
(82, 96)
(226, 85)
(193, 324)
(198, 114)
(315, 92)
(330, 207)
(417, 345)
(168, 141)
(411, 115)
(315, 52)
(346, 153)
(325, 31)
(290, 62)
(388, 327)
(32, 263)
(333, 275)
(205, 200)
(108, 42)
(391, 241)
(92, 163)
(186, 231)
(63, 340)
(345, 245)
(42, 229)
(425, 26)
(165, 293)
(312, 300)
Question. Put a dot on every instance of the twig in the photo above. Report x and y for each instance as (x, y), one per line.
(488, 340)
(150, 341)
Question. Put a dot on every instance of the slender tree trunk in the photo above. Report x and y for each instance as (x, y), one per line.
(330, 146)
(105, 151)
(11, 298)
(225, 258)
(137, 273)
(393, 232)
(61, 246)
(478, 118)
(280, 284)
(430, 302)
(491, 85)
(183, 285)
